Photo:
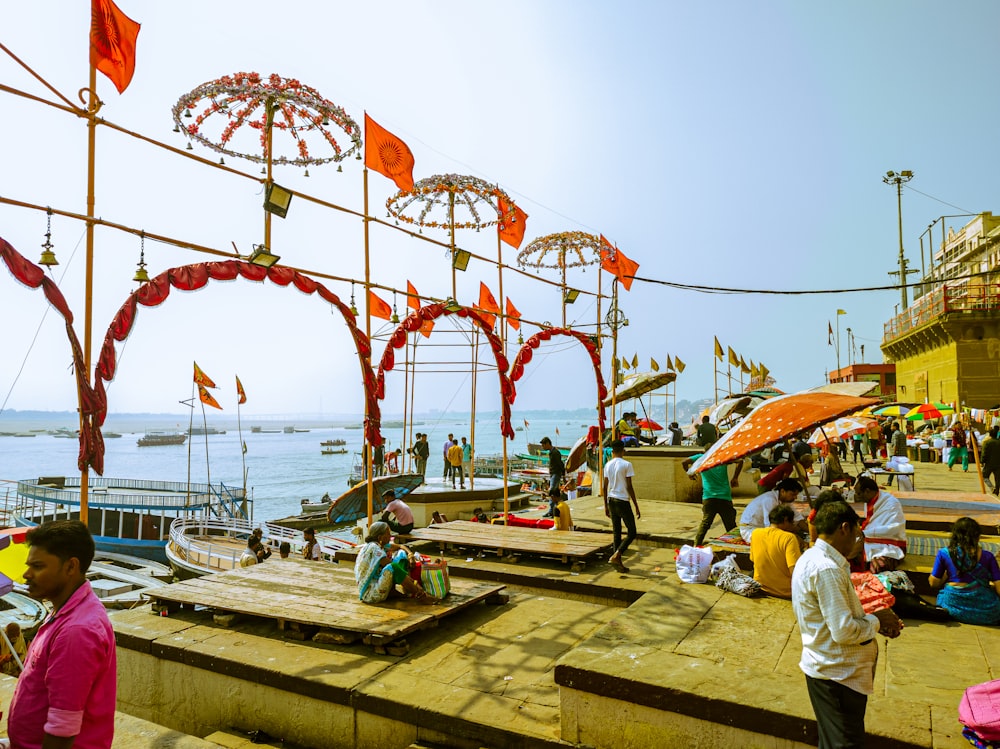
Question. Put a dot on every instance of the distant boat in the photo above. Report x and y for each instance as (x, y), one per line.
(333, 443)
(261, 430)
(331, 451)
(518, 429)
(156, 439)
(111, 435)
(202, 431)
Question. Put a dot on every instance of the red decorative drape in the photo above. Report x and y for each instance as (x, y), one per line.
(91, 441)
(413, 323)
(526, 352)
(196, 276)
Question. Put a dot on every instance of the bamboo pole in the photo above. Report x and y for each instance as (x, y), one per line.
(367, 457)
(407, 435)
(975, 454)
(597, 486)
(503, 340)
(472, 428)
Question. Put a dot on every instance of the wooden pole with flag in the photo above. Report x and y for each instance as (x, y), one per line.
(597, 486)
(240, 400)
(503, 340)
(472, 425)
(367, 457)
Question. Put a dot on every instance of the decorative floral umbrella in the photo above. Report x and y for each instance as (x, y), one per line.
(568, 249)
(929, 411)
(777, 419)
(218, 110)
(840, 429)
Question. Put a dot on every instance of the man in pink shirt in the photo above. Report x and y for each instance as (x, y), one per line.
(66, 695)
(403, 522)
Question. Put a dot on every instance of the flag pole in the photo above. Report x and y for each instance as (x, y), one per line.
(597, 487)
(407, 426)
(88, 310)
(503, 340)
(451, 225)
(208, 467)
(413, 385)
(243, 452)
(368, 358)
(715, 371)
(472, 428)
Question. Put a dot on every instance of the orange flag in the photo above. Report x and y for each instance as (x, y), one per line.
(207, 399)
(378, 307)
(513, 316)
(201, 378)
(487, 300)
(388, 155)
(112, 42)
(488, 318)
(240, 391)
(513, 222)
(614, 261)
(412, 297)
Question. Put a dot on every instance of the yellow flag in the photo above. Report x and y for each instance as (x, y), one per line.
(653, 365)
(841, 312)
(764, 372)
(670, 363)
(754, 372)
(680, 364)
(718, 350)
(733, 359)
(635, 361)
(743, 366)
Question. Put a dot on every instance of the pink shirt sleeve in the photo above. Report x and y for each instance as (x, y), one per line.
(76, 657)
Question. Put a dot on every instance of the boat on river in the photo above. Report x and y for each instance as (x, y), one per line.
(158, 439)
(197, 431)
(204, 546)
(352, 505)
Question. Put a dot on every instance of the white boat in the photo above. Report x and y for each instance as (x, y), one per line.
(204, 546)
(23, 609)
(119, 587)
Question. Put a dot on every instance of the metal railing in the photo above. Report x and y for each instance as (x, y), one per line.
(958, 298)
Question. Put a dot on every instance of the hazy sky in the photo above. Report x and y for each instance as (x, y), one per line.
(736, 144)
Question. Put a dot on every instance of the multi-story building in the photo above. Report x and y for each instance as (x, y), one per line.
(946, 345)
(883, 374)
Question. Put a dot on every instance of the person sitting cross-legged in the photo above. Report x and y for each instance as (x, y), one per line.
(382, 565)
(774, 551)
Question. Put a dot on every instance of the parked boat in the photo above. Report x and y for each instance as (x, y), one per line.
(156, 439)
(202, 547)
(333, 443)
(262, 430)
(352, 505)
(25, 610)
(202, 431)
(121, 587)
(331, 451)
(126, 516)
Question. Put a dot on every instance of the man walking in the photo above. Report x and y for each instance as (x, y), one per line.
(556, 468)
(959, 446)
(467, 459)
(67, 692)
(716, 496)
(618, 490)
(838, 647)
(991, 461)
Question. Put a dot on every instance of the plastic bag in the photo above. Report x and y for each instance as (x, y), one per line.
(434, 578)
(694, 563)
(718, 567)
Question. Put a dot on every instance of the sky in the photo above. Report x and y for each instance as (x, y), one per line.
(720, 144)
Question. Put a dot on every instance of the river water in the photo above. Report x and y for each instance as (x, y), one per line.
(282, 469)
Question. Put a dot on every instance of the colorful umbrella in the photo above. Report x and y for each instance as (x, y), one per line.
(777, 419)
(840, 429)
(635, 386)
(894, 409)
(929, 411)
(649, 424)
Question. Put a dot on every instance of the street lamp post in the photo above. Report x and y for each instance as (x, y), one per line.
(900, 179)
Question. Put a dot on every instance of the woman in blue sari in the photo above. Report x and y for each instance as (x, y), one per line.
(967, 576)
(381, 565)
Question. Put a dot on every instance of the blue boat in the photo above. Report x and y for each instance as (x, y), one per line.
(127, 516)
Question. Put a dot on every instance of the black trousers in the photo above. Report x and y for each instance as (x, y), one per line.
(621, 512)
(840, 714)
(709, 509)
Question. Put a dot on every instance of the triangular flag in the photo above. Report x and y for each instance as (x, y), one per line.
(511, 223)
(718, 350)
(207, 399)
(412, 297)
(754, 371)
(614, 261)
(680, 364)
(635, 361)
(240, 391)
(764, 372)
(670, 363)
(841, 312)
(829, 333)
(487, 300)
(733, 359)
(201, 378)
(378, 307)
(112, 42)
(388, 155)
(653, 365)
(513, 316)
(487, 317)
(743, 366)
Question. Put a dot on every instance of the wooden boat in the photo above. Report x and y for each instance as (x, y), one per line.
(352, 505)
(261, 430)
(197, 431)
(331, 451)
(25, 610)
(333, 443)
(126, 516)
(157, 439)
(119, 587)
(201, 547)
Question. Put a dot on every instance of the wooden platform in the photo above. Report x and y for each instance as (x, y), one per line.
(315, 600)
(937, 510)
(567, 546)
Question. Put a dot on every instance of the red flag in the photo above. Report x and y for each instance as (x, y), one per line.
(378, 307)
(112, 42)
(207, 399)
(487, 300)
(412, 297)
(513, 316)
(488, 318)
(614, 261)
(388, 155)
(201, 378)
(829, 333)
(240, 391)
(513, 221)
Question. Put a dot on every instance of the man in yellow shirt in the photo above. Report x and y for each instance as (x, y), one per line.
(454, 456)
(774, 551)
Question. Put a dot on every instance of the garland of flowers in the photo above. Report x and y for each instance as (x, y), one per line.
(244, 99)
(472, 195)
(572, 249)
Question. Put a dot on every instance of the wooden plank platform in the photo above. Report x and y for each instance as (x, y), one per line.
(315, 597)
(937, 510)
(564, 545)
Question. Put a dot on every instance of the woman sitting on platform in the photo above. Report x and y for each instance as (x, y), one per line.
(967, 576)
(381, 565)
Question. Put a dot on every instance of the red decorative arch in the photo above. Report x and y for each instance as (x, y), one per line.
(196, 276)
(412, 324)
(91, 442)
(526, 352)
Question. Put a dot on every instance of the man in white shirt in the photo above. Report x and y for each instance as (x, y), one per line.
(884, 525)
(249, 555)
(618, 490)
(838, 647)
(757, 512)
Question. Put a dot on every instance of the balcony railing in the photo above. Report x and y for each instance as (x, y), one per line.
(942, 300)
